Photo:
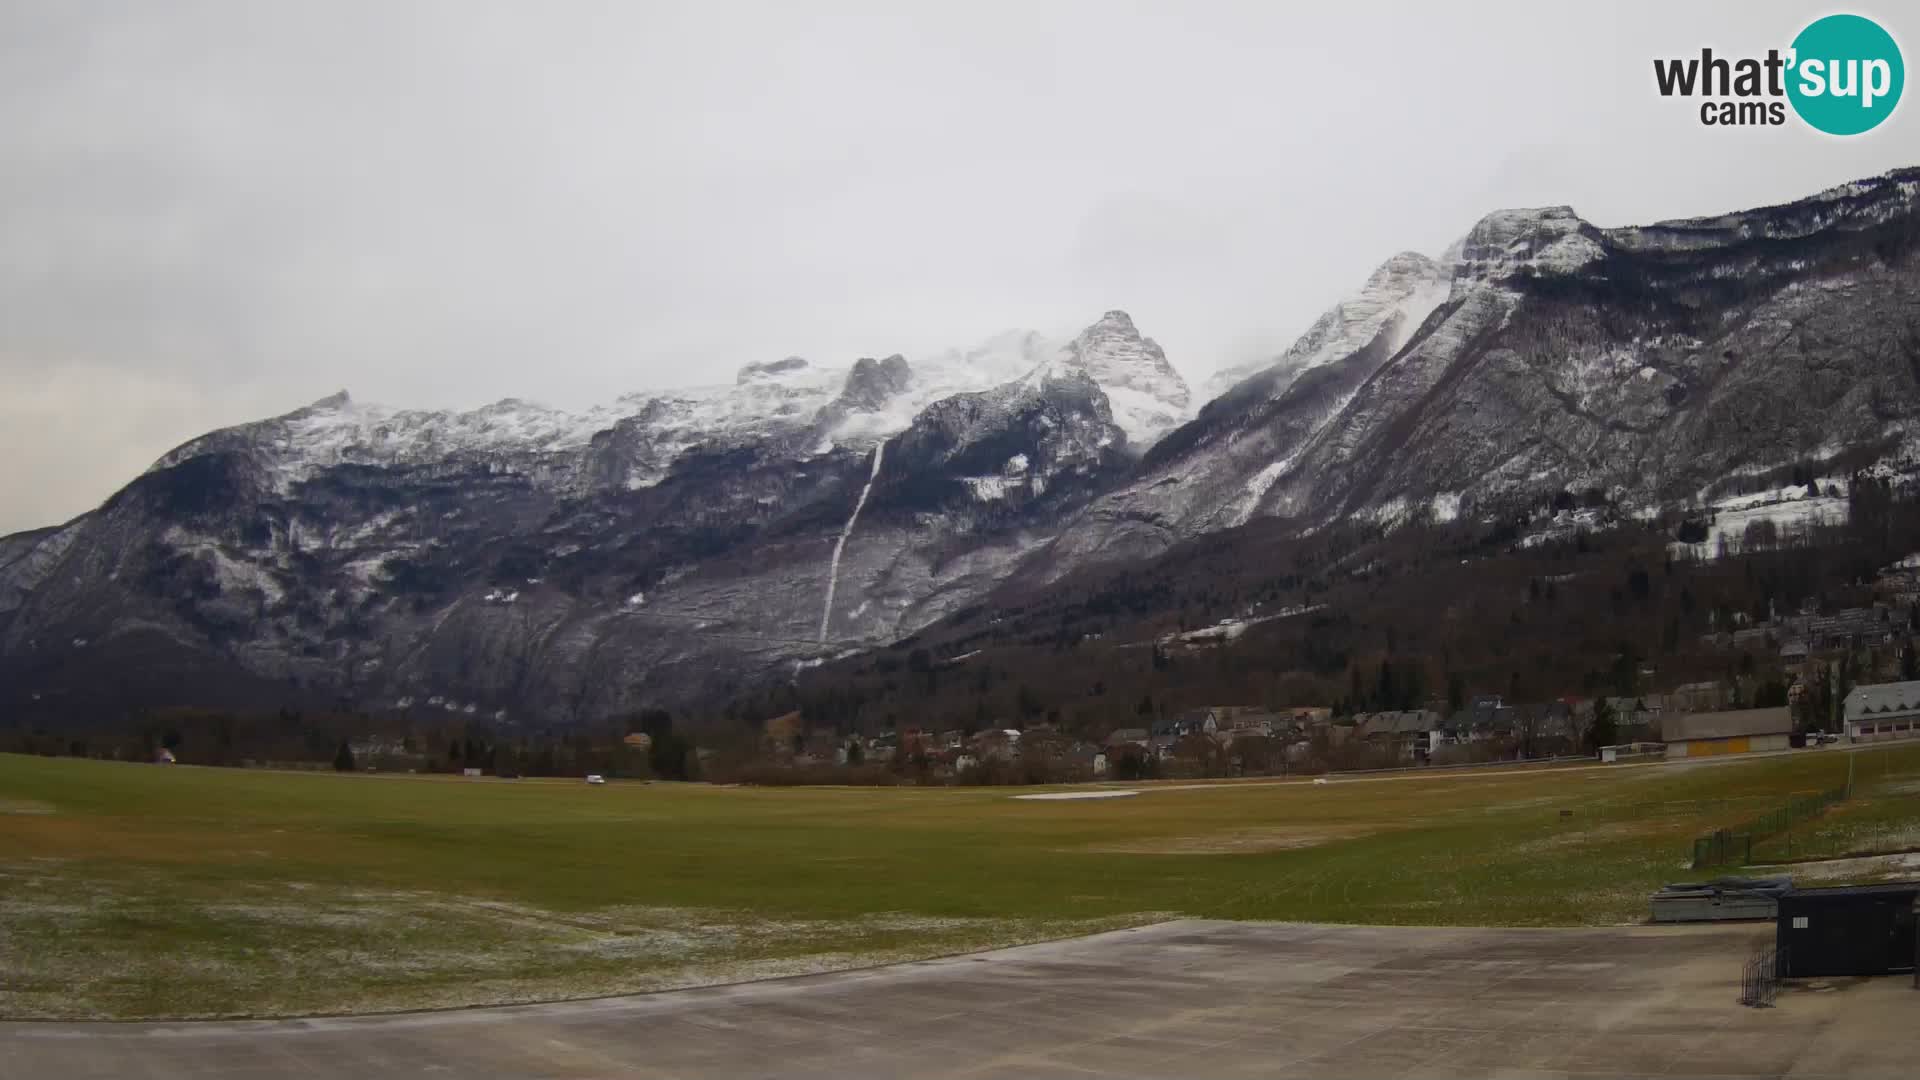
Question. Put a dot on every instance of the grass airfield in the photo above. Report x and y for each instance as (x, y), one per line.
(141, 891)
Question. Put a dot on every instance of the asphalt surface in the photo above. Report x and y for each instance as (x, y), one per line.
(1181, 999)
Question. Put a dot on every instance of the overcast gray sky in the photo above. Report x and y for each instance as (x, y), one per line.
(212, 212)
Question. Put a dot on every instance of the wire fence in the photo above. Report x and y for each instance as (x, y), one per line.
(1722, 848)
(1734, 846)
(1760, 980)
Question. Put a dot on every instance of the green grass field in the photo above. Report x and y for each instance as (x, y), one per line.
(133, 890)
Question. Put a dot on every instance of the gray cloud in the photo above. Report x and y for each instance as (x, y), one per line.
(215, 211)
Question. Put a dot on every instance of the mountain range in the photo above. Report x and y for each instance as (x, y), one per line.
(527, 564)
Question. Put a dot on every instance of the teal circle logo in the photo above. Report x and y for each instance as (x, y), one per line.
(1847, 74)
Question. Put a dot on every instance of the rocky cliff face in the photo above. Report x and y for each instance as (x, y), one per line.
(517, 561)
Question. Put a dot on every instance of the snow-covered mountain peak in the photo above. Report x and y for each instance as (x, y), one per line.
(851, 407)
(870, 402)
(880, 398)
(1115, 332)
(1547, 240)
(872, 382)
(1397, 297)
(338, 430)
(339, 399)
(1407, 264)
(766, 369)
(1148, 397)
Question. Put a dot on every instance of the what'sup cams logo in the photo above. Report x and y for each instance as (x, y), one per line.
(1842, 75)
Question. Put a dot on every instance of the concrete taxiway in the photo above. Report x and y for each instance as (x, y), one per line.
(1179, 999)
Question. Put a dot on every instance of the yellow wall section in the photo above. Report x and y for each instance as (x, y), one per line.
(1710, 747)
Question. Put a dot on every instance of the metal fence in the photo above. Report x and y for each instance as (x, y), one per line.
(1722, 848)
(1760, 981)
(1735, 846)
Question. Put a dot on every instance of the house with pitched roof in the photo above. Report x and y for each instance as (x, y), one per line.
(1884, 711)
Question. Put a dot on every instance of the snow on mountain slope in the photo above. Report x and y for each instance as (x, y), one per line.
(1541, 353)
(994, 362)
(1549, 239)
(1148, 397)
(999, 359)
(767, 400)
(499, 555)
(496, 554)
(1853, 205)
(1475, 287)
(1399, 295)
(821, 408)
(1215, 471)
(1648, 362)
(338, 430)
(1283, 438)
